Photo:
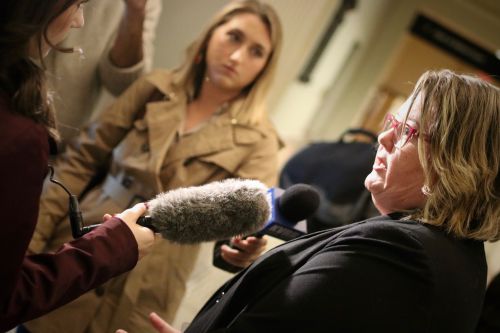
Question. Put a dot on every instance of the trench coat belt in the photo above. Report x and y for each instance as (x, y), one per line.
(123, 190)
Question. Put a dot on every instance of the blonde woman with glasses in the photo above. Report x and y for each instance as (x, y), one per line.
(420, 266)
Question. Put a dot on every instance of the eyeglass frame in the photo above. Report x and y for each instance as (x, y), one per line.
(391, 122)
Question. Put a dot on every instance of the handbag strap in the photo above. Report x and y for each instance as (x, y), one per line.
(356, 131)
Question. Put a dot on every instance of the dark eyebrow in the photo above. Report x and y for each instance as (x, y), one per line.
(261, 47)
(241, 33)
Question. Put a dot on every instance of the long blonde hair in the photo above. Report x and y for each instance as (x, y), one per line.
(459, 149)
(251, 106)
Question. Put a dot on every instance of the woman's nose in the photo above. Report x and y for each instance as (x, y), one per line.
(237, 55)
(386, 139)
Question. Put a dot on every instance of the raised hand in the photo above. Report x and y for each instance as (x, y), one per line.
(245, 251)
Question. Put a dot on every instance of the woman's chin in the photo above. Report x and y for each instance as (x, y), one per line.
(374, 183)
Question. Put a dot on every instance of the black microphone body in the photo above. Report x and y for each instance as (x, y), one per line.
(288, 207)
(75, 217)
(78, 229)
(147, 221)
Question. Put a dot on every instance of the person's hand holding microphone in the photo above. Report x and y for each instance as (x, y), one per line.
(244, 250)
(145, 237)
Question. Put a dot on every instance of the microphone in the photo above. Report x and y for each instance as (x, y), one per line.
(288, 207)
(210, 212)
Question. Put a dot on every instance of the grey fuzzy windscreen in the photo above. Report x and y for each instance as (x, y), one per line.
(217, 210)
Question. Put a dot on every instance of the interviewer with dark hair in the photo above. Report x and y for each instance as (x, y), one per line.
(34, 285)
(420, 267)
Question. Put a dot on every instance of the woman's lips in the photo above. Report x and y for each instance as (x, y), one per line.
(379, 164)
(229, 69)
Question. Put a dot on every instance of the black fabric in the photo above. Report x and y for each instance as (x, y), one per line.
(337, 170)
(379, 275)
(22, 329)
(490, 317)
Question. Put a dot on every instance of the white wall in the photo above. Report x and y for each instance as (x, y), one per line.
(353, 89)
(296, 111)
(180, 23)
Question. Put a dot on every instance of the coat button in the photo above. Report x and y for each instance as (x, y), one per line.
(188, 161)
(145, 148)
(127, 181)
(234, 121)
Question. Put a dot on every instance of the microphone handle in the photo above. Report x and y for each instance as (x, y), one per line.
(78, 229)
(75, 217)
(147, 221)
(89, 228)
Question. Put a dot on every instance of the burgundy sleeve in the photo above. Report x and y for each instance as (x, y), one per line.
(34, 285)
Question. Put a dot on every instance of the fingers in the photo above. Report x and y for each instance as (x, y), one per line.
(106, 217)
(245, 251)
(235, 257)
(144, 236)
(160, 325)
(131, 214)
(134, 213)
(250, 244)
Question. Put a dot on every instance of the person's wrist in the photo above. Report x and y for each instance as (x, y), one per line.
(135, 13)
(134, 23)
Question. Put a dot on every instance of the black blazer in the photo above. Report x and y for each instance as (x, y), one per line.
(379, 275)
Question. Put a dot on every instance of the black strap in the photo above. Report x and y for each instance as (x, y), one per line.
(362, 131)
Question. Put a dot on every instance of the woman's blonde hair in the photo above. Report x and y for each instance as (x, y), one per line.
(251, 107)
(459, 148)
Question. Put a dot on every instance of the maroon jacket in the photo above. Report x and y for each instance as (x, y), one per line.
(34, 285)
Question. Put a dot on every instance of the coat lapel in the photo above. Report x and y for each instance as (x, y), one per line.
(222, 134)
(163, 121)
(213, 137)
(233, 298)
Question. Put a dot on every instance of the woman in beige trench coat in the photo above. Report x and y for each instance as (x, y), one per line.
(202, 122)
